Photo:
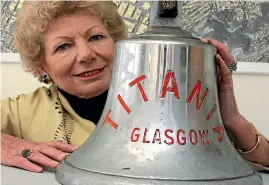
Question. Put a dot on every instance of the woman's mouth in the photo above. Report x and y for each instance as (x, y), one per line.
(90, 74)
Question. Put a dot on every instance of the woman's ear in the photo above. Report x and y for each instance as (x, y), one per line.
(42, 69)
(44, 76)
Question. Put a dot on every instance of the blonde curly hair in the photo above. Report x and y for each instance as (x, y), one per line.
(34, 18)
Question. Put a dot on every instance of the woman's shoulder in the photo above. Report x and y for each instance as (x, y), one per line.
(41, 94)
(31, 111)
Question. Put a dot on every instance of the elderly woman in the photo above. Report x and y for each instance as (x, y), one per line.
(71, 45)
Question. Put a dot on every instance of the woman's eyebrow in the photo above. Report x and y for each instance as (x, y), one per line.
(89, 30)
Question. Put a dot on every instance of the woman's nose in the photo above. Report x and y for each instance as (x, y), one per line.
(85, 52)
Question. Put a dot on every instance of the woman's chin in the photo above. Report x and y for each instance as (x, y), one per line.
(92, 92)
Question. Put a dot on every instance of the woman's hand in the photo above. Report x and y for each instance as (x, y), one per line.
(245, 136)
(46, 154)
(228, 106)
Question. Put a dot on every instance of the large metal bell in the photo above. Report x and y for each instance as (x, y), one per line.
(161, 124)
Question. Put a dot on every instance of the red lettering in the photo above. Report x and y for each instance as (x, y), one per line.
(183, 142)
(169, 137)
(145, 136)
(125, 106)
(210, 114)
(194, 140)
(197, 88)
(139, 85)
(220, 130)
(174, 88)
(110, 121)
(135, 137)
(194, 136)
(157, 137)
(204, 136)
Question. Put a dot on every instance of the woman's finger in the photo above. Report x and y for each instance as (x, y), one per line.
(21, 162)
(63, 146)
(218, 74)
(223, 50)
(41, 159)
(225, 73)
(204, 40)
(52, 152)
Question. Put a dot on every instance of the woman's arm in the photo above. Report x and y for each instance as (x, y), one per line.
(251, 147)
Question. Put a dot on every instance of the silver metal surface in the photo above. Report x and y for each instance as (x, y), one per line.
(161, 124)
(47, 177)
(110, 151)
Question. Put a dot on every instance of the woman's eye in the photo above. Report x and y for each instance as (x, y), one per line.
(63, 47)
(96, 37)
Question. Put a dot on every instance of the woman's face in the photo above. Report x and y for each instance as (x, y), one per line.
(79, 54)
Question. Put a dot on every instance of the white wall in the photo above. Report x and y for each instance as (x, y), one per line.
(252, 95)
(15, 81)
(251, 84)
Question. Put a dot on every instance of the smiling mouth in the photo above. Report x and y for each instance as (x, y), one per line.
(91, 73)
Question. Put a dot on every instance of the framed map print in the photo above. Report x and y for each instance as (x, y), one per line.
(242, 25)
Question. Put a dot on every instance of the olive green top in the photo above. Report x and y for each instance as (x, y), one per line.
(55, 120)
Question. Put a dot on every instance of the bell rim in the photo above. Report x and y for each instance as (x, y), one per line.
(65, 171)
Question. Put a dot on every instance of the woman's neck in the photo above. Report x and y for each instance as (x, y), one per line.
(90, 109)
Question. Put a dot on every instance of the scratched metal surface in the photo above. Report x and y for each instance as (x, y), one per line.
(47, 178)
(242, 25)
